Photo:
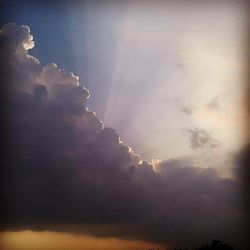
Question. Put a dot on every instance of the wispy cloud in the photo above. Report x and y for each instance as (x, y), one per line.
(199, 138)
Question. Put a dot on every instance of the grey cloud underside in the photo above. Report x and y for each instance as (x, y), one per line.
(62, 167)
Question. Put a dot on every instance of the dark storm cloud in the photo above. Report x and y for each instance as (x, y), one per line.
(199, 138)
(242, 160)
(63, 169)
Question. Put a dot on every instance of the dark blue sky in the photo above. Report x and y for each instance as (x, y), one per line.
(49, 26)
(76, 35)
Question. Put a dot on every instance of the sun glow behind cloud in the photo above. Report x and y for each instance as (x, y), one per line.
(158, 57)
(91, 176)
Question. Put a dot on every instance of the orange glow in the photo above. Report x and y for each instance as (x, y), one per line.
(55, 240)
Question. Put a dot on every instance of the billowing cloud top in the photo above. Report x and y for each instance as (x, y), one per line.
(64, 170)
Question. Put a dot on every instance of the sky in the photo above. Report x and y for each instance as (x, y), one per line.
(160, 60)
(126, 122)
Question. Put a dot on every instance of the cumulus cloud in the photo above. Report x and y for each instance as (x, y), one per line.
(63, 170)
(199, 138)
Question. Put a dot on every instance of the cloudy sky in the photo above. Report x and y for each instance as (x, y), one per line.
(125, 123)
